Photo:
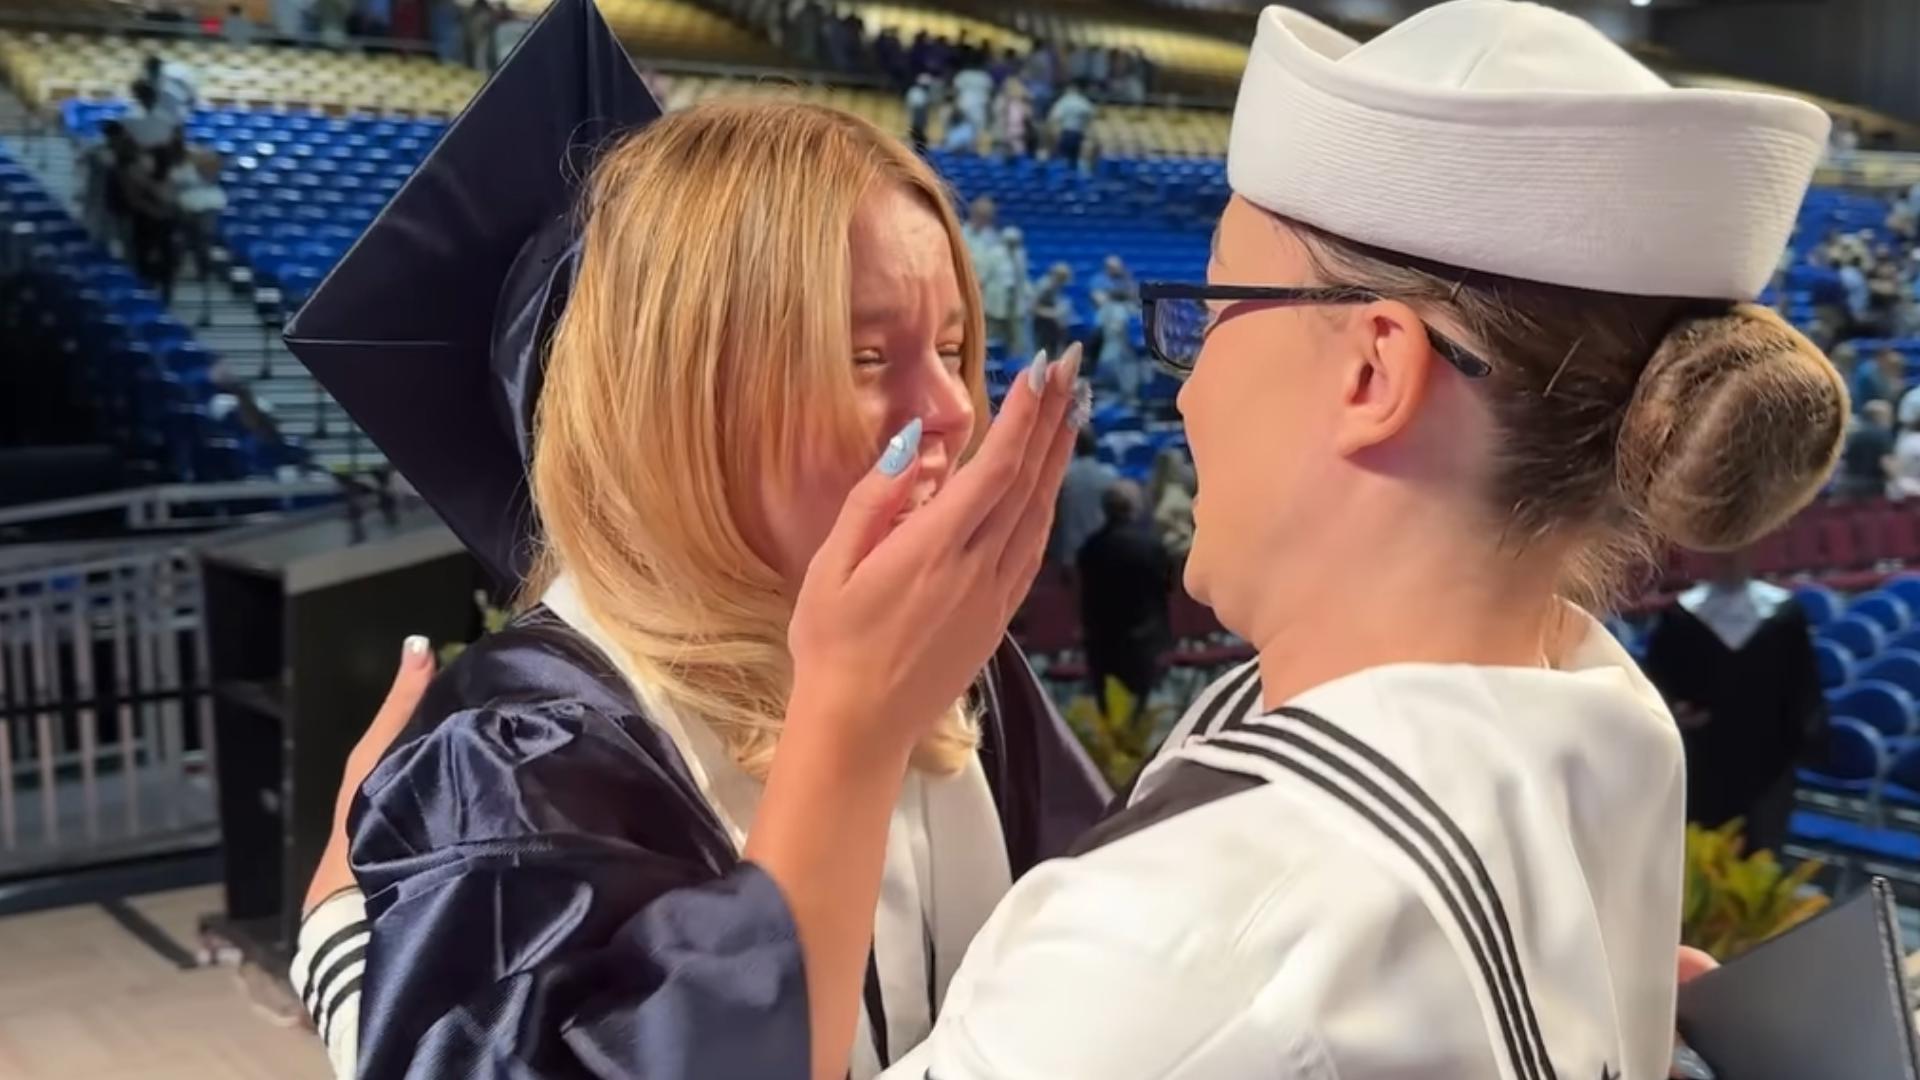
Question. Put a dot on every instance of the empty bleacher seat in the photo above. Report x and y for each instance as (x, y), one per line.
(1835, 664)
(1883, 706)
(1863, 638)
(1888, 610)
(1900, 667)
(1821, 604)
(1852, 763)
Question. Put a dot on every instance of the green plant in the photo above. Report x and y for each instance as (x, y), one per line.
(491, 619)
(1117, 737)
(1735, 901)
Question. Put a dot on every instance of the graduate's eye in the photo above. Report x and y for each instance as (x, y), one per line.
(951, 356)
(867, 359)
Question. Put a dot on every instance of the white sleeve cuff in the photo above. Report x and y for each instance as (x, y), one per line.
(327, 970)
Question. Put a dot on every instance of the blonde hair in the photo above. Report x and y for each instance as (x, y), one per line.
(706, 341)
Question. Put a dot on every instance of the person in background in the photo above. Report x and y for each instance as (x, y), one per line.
(1885, 379)
(1170, 498)
(478, 29)
(1013, 118)
(1866, 465)
(919, 110)
(1113, 317)
(973, 94)
(290, 18)
(1734, 658)
(194, 181)
(1126, 578)
(1078, 513)
(151, 215)
(237, 28)
(961, 137)
(1053, 315)
(1071, 118)
(102, 210)
(1116, 280)
(151, 124)
(1905, 482)
(1016, 244)
(999, 284)
(981, 230)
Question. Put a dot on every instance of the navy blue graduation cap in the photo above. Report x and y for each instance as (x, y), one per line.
(431, 331)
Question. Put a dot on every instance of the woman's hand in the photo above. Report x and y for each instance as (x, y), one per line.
(416, 671)
(1688, 1065)
(896, 618)
(892, 623)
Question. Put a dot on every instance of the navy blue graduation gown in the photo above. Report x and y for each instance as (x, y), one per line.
(552, 897)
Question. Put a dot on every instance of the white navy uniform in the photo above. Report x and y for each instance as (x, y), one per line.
(1433, 871)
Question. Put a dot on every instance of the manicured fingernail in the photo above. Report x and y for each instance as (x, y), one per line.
(1688, 1064)
(1082, 412)
(901, 449)
(1071, 361)
(413, 651)
(1037, 372)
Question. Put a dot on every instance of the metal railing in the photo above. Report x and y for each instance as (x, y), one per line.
(106, 716)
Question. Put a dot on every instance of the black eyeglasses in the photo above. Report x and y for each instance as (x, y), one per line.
(1179, 318)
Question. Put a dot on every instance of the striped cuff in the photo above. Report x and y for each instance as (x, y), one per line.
(327, 969)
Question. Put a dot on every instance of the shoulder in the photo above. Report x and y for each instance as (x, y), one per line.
(529, 731)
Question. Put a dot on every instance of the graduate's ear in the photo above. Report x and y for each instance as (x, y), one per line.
(1390, 360)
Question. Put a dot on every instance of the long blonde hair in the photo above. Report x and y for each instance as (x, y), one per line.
(706, 341)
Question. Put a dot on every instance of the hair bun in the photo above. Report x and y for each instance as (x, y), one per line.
(1735, 424)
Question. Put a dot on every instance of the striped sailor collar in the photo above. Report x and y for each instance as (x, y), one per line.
(1592, 699)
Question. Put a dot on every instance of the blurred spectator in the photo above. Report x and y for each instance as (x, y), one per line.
(233, 398)
(919, 110)
(1015, 242)
(920, 54)
(972, 94)
(1013, 118)
(1734, 658)
(804, 26)
(1113, 318)
(1170, 495)
(194, 180)
(1116, 280)
(290, 17)
(330, 19)
(981, 230)
(172, 86)
(1004, 67)
(1039, 72)
(102, 209)
(1053, 315)
(148, 123)
(1906, 456)
(237, 28)
(890, 56)
(1125, 580)
(999, 287)
(1866, 463)
(1077, 513)
(961, 136)
(140, 179)
(373, 18)
(1885, 379)
(481, 18)
(1070, 118)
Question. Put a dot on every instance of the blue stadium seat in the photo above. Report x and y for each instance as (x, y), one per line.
(1883, 706)
(1861, 637)
(1853, 762)
(1897, 666)
(1821, 604)
(1888, 610)
(1835, 663)
(1907, 588)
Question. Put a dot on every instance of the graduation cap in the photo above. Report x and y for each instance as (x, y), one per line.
(431, 331)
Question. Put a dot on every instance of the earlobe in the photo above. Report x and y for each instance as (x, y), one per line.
(1390, 379)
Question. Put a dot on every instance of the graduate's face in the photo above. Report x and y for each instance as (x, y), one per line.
(909, 322)
(1256, 413)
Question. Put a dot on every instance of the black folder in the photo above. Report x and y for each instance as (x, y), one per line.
(1827, 1000)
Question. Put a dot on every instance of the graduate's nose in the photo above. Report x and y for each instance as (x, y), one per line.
(946, 408)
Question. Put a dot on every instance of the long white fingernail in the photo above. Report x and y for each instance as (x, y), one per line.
(413, 651)
(1037, 372)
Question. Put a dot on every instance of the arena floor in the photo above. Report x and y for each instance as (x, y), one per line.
(100, 991)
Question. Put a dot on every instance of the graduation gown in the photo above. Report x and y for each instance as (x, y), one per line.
(1747, 660)
(550, 894)
(1448, 872)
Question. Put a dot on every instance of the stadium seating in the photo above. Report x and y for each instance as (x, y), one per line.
(45, 69)
(147, 380)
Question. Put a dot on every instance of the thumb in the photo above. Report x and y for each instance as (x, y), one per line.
(867, 515)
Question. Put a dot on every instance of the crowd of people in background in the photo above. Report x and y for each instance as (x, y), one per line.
(151, 196)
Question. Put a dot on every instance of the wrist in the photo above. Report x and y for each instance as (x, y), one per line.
(826, 722)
